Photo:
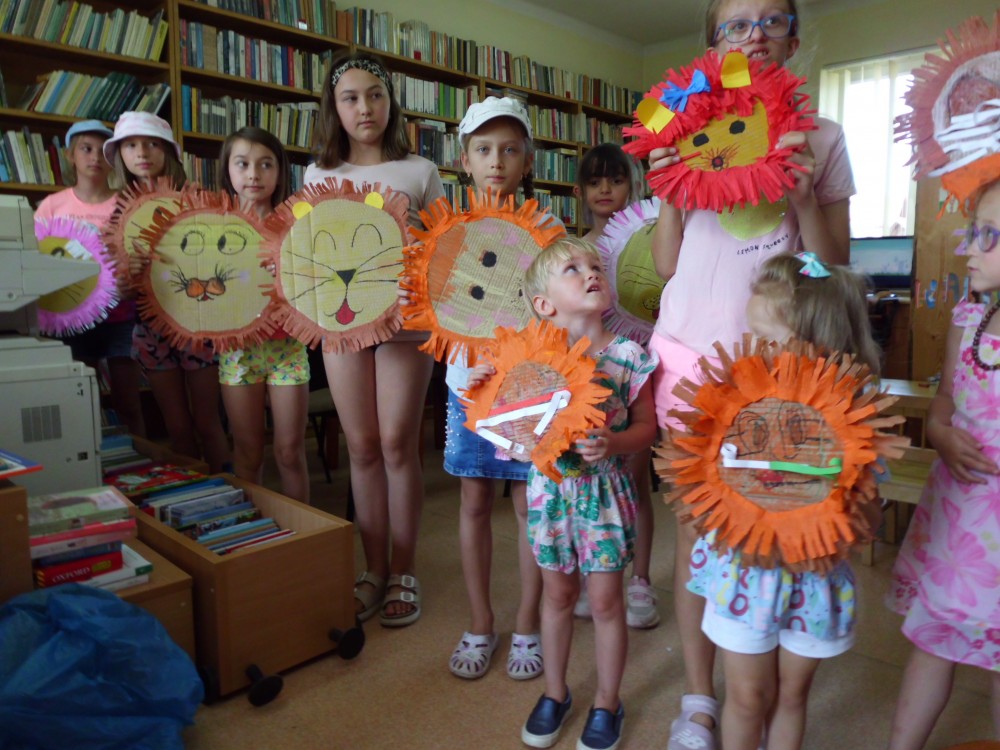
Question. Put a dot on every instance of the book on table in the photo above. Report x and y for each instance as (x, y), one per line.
(64, 511)
(13, 465)
(89, 535)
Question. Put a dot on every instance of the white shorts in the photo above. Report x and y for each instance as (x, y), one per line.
(740, 638)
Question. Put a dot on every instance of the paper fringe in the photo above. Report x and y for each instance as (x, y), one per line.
(542, 342)
(115, 231)
(279, 223)
(810, 538)
(439, 218)
(95, 307)
(767, 179)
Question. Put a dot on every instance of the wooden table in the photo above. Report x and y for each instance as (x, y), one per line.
(914, 396)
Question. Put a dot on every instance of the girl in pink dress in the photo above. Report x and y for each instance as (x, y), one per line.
(946, 580)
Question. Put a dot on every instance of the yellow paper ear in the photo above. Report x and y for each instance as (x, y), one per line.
(375, 200)
(301, 209)
(735, 71)
(653, 115)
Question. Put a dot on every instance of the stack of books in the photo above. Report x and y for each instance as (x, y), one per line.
(118, 453)
(79, 536)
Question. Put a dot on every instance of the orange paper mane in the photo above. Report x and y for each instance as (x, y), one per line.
(780, 405)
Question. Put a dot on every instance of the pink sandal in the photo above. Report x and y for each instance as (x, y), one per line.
(686, 734)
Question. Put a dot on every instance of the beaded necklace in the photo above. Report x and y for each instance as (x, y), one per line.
(979, 334)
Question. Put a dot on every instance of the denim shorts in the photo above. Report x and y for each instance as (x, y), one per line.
(468, 455)
(103, 341)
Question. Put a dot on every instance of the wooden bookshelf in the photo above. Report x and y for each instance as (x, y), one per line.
(43, 57)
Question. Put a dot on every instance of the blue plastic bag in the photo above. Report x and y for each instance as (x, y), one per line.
(81, 668)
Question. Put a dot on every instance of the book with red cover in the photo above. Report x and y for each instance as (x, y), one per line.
(134, 484)
(78, 570)
(86, 536)
(12, 465)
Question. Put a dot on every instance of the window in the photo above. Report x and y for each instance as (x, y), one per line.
(865, 97)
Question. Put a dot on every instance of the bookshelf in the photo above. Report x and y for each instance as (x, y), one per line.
(224, 69)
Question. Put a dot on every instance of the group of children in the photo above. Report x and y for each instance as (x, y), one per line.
(719, 286)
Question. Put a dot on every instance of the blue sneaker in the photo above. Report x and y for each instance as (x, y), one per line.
(543, 726)
(603, 729)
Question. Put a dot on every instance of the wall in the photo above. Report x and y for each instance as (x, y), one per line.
(554, 42)
(878, 28)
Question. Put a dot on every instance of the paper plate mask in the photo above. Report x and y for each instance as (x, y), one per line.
(626, 247)
(82, 305)
(338, 252)
(204, 279)
(725, 116)
(954, 122)
(137, 205)
(779, 454)
(542, 395)
(466, 272)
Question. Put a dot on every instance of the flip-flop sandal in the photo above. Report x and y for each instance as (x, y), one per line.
(370, 596)
(524, 662)
(407, 590)
(472, 656)
(686, 734)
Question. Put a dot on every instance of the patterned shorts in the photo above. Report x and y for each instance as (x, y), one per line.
(586, 520)
(153, 352)
(275, 362)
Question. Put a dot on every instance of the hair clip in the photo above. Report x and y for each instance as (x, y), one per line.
(812, 266)
(676, 98)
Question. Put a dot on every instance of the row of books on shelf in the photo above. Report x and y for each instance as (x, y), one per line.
(61, 92)
(433, 97)
(319, 16)
(558, 165)
(547, 122)
(563, 207)
(435, 140)
(82, 536)
(76, 24)
(27, 157)
(226, 51)
(204, 171)
(416, 40)
(292, 123)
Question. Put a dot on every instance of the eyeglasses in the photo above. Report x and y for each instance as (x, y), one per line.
(740, 30)
(985, 237)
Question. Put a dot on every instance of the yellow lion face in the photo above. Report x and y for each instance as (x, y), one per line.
(732, 141)
(206, 273)
(141, 216)
(72, 296)
(637, 283)
(340, 261)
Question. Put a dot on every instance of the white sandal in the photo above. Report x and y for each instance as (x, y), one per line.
(370, 598)
(472, 656)
(525, 662)
(686, 734)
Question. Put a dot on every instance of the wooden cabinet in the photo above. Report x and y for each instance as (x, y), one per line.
(272, 606)
(15, 552)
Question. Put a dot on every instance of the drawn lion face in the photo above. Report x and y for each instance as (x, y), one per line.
(206, 274)
(339, 264)
(72, 296)
(482, 288)
(733, 140)
(639, 287)
(774, 430)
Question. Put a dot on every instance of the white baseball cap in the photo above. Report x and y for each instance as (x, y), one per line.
(482, 112)
(139, 123)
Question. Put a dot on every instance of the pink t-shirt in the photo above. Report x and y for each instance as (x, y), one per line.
(65, 203)
(705, 301)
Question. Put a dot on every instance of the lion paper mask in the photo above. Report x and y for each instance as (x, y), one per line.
(204, 279)
(466, 272)
(77, 307)
(725, 116)
(954, 118)
(541, 396)
(137, 206)
(338, 251)
(779, 453)
(626, 248)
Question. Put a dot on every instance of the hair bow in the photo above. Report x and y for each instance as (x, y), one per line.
(676, 98)
(812, 266)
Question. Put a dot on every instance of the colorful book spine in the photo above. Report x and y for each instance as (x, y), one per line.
(78, 570)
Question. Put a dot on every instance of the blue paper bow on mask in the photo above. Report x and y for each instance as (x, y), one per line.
(812, 266)
(675, 98)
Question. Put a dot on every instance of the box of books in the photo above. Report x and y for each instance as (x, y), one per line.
(271, 578)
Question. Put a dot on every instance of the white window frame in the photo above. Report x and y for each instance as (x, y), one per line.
(865, 97)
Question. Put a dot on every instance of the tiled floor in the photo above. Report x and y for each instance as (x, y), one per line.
(399, 694)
